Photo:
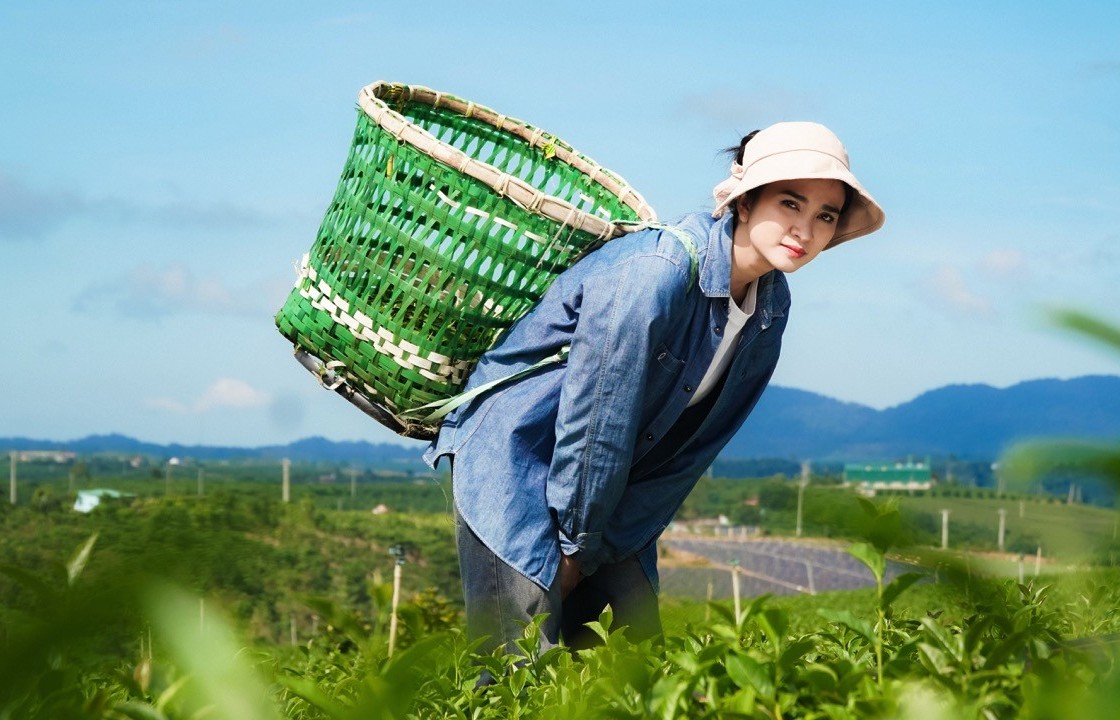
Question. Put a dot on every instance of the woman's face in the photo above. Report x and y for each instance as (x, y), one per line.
(788, 225)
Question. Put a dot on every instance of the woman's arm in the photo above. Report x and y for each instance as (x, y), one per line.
(625, 312)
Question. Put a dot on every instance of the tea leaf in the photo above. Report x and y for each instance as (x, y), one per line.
(898, 586)
(871, 557)
(747, 672)
(845, 618)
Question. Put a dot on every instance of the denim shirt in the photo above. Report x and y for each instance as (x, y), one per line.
(592, 457)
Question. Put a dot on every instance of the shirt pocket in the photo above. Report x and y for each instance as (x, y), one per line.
(666, 360)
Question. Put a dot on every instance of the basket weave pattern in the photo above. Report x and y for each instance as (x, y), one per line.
(449, 222)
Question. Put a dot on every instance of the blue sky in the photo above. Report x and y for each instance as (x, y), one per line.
(162, 165)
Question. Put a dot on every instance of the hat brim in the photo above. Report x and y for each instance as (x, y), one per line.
(864, 216)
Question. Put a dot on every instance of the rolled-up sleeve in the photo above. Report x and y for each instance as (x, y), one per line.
(624, 313)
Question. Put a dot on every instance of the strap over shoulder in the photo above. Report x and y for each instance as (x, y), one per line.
(433, 412)
(679, 233)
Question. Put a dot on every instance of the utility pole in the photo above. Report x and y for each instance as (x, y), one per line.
(14, 458)
(801, 493)
(944, 529)
(735, 590)
(353, 473)
(286, 492)
(1002, 527)
(396, 551)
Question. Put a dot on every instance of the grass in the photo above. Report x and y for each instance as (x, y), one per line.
(678, 614)
(1068, 532)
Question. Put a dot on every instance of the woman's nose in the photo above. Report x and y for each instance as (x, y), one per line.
(802, 228)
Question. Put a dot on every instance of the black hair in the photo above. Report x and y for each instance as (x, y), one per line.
(736, 151)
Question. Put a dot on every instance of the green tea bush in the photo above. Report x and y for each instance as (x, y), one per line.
(1001, 650)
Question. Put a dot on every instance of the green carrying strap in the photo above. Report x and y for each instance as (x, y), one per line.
(435, 411)
(684, 238)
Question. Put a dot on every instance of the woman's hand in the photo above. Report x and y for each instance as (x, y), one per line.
(569, 575)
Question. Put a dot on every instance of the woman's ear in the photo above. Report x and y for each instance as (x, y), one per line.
(742, 207)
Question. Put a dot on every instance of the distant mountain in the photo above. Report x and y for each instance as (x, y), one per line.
(969, 421)
(363, 453)
(974, 422)
(313, 449)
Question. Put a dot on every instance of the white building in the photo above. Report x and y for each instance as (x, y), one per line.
(89, 499)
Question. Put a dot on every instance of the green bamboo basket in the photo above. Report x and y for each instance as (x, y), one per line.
(449, 222)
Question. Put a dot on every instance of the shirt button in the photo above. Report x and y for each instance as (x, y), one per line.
(649, 436)
(719, 330)
(688, 388)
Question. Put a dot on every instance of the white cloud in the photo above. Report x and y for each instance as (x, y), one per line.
(1102, 69)
(224, 393)
(151, 292)
(178, 213)
(1004, 263)
(723, 109)
(167, 405)
(27, 213)
(951, 287)
(231, 393)
(31, 213)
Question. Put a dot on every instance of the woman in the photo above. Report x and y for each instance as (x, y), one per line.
(564, 480)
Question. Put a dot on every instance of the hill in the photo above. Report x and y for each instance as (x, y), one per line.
(971, 422)
(313, 449)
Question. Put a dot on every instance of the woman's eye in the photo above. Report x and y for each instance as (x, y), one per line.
(790, 204)
(827, 217)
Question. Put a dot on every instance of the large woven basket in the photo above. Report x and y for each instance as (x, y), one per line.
(449, 222)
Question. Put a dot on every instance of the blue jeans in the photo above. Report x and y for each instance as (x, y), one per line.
(500, 601)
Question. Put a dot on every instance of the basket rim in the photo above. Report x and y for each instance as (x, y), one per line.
(371, 103)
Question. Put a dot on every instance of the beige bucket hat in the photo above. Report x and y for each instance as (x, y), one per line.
(794, 151)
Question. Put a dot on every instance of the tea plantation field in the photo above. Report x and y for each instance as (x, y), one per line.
(233, 604)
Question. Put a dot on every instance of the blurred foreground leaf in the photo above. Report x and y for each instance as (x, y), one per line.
(1089, 326)
(76, 565)
(1028, 461)
(224, 683)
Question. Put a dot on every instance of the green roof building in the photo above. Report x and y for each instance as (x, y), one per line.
(870, 478)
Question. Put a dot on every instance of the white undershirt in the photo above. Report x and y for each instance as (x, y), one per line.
(737, 316)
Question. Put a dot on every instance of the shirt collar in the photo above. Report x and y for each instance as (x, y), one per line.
(715, 268)
(715, 264)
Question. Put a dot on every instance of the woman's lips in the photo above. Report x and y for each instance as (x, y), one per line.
(794, 251)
